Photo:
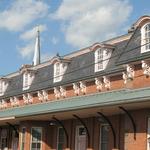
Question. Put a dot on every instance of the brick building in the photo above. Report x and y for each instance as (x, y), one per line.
(96, 98)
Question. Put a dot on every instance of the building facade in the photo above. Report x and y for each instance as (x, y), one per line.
(97, 98)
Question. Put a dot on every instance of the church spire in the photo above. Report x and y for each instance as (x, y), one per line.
(36, 59)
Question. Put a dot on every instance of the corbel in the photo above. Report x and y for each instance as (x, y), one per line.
(83, 87)
(106, 81)
(146, 68)
(99, 85)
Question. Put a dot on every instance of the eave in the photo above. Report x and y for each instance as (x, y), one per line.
(125, 96)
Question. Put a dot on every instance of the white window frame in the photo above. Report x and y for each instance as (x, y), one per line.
(77, 136)
(3, 87)
(21, 144)
(58, 136)
(59, 71)
(100, 141)
(27, 80)
(143, 39)
(41, 136)
(102, 60)
(99, 60)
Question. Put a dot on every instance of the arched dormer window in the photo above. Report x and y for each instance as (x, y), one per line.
(57, 72)
(102, 56)
(145, 38)
(27, 80)
(98, 60)
(3, 86)
(28, 75)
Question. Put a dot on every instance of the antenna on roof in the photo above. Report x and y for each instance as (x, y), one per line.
(36, 59)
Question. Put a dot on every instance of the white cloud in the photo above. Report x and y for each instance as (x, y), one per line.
(89, 22)
(21, 13)
(27, 51)
(29, 38)
(55, 40)
(31, 34)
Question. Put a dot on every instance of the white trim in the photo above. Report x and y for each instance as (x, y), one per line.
(102, 56)
(28, 78)
(59, 70)
(41, 137)
(77, 136)
(143, 49)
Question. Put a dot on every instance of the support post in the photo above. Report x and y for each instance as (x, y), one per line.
(66, 133)
(131, 119)
(87, 131)
(111, 126)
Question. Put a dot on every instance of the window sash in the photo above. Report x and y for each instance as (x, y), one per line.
(36, 138)
(145, 31)
(99, 56)
(60, 138)
(26, 80)
(104, 135)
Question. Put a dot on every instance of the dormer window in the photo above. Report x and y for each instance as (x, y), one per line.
(3, 86)
(28, 76)
(102, 56)
(59, 70)
(27, 80)
(98, 60)
(145, 35)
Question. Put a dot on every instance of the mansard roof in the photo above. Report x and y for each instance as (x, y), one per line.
(132, 51)
(125, 49)
(80, 68)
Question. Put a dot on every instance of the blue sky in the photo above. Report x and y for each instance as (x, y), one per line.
(65, 25)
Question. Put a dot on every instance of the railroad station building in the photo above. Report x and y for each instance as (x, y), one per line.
(96, 98)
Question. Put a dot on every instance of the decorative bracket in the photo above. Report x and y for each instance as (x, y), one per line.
(146, 68)
(99, 84)
(106, 81)
(28, 98)
(43, 95)
(76, 88)
(129, 74)
(63, 91)
(57, 92)
(83, 87)
(14, 101)
(3, 104)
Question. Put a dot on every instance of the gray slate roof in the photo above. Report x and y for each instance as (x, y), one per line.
(132, 51)
(79, 68)
(82, 67)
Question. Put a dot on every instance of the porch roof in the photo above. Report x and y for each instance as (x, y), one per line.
(111, 98)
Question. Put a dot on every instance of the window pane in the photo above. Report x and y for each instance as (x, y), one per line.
(36, 138)
(60, 139)
(104, 137)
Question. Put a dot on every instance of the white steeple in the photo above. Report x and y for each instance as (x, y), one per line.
(36, 59)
